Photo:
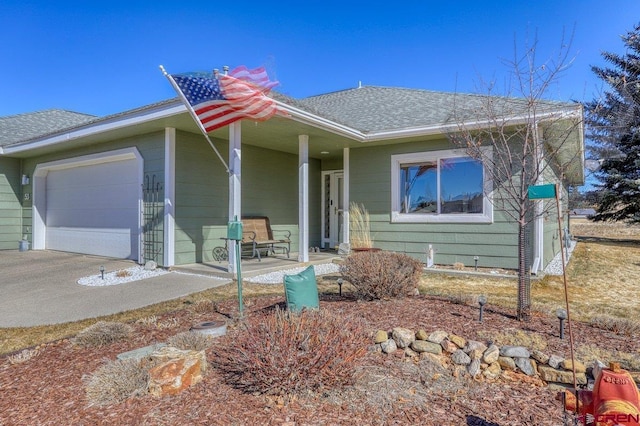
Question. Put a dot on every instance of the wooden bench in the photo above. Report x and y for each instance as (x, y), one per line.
(257, 235)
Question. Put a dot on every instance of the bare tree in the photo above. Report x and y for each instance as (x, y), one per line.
(528, 138)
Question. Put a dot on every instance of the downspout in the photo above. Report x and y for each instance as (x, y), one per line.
(538, 232)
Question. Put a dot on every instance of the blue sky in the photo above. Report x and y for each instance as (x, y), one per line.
(102, 57)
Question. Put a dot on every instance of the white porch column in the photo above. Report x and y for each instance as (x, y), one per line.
(234, 185)
(345, 195)
(169, 196)
(303, 198)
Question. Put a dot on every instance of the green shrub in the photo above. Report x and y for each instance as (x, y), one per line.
(115, 382)
(288, 353)
(103, 333)
(380, 274)
(190, 341)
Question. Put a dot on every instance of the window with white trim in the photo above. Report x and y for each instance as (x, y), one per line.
(440, 186)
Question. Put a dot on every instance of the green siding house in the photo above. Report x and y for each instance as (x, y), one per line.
(145, 184)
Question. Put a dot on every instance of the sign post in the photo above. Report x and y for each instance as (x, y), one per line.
(537, 192)
(234, 232)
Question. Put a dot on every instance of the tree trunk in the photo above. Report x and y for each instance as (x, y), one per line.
(524, 291)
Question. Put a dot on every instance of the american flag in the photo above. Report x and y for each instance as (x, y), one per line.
(220, 100)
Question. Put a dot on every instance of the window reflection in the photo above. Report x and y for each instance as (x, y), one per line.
(461, 186)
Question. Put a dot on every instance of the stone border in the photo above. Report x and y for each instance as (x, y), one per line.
(487, 360)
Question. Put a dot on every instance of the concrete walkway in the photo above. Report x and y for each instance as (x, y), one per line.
(40, 287)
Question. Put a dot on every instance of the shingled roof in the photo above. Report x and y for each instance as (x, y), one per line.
(374, 109)
(20, 127)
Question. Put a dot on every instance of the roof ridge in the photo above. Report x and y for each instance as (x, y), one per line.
(42, 111)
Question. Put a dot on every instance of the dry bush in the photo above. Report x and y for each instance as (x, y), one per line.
(380, 275)
(458, 266)
(288, 353)
(103, 333)
(23, 356)
(148, 321)
(123, 273)
(115, 382)
(190, 341)
(621, 326)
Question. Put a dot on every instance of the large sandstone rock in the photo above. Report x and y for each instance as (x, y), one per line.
(568, 365)
(460, 358)
(174, 370)
(514, 351)
(389, 346)
(438, 336)
(550, 374)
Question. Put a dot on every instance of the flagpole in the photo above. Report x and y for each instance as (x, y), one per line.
(193, 115)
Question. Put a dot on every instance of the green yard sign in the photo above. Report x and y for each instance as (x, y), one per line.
(536, 192)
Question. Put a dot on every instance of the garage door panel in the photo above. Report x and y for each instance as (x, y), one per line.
(97, 241)
(89, 218)
(115, 172)
(94, 209)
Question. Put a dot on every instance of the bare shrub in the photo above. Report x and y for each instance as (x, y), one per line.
(23, 356)
(190, 341)
(123, 273)
(103, 333)
(115, 382)
(379, 275)
(622, 326)
(288, 353)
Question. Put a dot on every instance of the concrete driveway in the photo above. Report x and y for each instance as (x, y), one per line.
(40, 287)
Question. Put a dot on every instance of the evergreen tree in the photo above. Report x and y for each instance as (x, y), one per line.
(613, 124)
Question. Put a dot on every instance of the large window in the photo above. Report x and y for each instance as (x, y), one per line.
(439, 186)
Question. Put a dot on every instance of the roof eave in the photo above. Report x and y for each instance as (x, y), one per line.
(96, 127)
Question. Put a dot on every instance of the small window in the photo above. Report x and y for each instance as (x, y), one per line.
(439, 186)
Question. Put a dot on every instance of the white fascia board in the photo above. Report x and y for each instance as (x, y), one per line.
(305, 117)
(114, 123)
(468, 125)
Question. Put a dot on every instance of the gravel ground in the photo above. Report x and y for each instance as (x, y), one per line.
(277, 277)
(555, 266)
(128, 275)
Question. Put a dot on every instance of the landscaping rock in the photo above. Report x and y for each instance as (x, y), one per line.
(539, 356)
(457, 340)
(381, 336)
(448, 346)
(554, 361)
(491, 355)
(438, 336)
(403, 337)
(568, 365)
(506, 363)
(515, 352)
(389, 346)
(421, 335)
(409, 353)
(473, 345)
(597, 368)
(426, 346)
(493, 371)
(550, 374)
(525, 365)
(476, 354)
(175, 371)
(474, 368)
(459, 357)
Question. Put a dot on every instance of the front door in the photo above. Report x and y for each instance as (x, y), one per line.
(332, 208)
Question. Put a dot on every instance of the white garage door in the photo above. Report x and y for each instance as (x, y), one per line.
(94, 209)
